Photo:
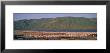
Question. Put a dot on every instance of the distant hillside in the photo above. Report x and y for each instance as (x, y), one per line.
(59, 23)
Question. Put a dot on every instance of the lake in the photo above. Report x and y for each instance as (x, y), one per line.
(67, 30)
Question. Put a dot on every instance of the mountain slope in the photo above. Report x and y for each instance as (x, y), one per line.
(59, 23)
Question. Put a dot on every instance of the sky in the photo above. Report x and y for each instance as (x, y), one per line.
(21, 16)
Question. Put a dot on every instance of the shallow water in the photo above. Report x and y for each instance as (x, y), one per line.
(67, 30)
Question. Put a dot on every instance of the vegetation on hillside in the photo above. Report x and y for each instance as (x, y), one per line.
(58, 23)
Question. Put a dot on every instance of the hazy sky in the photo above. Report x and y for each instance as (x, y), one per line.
(20, 16)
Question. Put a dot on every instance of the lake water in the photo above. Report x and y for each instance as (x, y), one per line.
(68, 30)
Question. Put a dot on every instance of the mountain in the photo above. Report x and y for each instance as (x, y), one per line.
(58, 23)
